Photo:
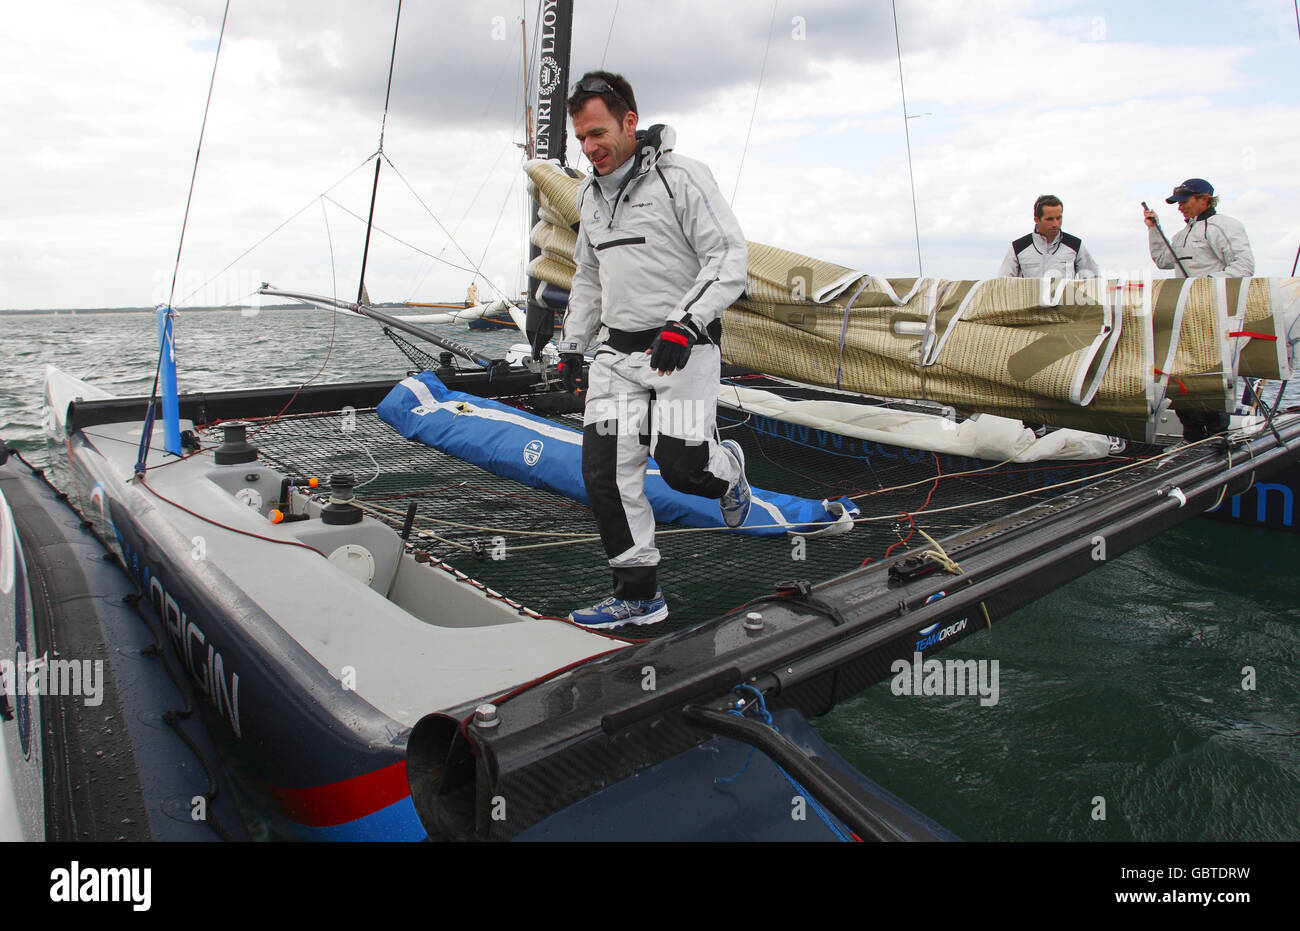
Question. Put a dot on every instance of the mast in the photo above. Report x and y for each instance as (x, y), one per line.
(549, 138)
(528, 107)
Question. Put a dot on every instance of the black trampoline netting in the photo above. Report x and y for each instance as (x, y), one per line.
(541, 550)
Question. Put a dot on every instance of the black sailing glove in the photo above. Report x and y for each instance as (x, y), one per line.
(672, 347)
(571, 374)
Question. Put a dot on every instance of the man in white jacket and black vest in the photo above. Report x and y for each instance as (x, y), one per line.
(1210, 245)
(660, 256)
(1047, 252)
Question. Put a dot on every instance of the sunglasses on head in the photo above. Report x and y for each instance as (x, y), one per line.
(598, 86)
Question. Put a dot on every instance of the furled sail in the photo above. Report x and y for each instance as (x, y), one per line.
(1093, 354)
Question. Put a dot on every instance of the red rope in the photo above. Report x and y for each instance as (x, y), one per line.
(1251, 335)
(912, 524)
(1181, 387)
(208, 520)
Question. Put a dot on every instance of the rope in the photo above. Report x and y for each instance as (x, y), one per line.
(1033, 491)
(860, 520)
(951, 565)
(139, 480)
(464, 216)
(766, 717)
(1223, 491)
(495, 226)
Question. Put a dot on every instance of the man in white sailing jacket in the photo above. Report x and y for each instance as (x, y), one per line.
(660, 256)
(1047, 252)
(1210, 245)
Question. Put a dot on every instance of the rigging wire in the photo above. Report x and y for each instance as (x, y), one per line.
(374, 191)
(412, 246)
(168, 341)
(500, 213)
(428, 210)
(303, 209)
(329, 238)
(486, 177)
(197, 151)
(531, 55)
(907, 135)
(334, 325)
(464, 216)
(610, 34)
(752, 113)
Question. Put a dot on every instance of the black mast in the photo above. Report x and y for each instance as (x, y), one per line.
(554, 30)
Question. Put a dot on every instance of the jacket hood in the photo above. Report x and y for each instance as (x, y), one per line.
(651, 144)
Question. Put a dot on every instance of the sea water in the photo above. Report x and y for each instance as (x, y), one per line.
(1155, 698)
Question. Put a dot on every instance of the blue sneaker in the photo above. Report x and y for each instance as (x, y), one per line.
(616, 612)
(736, 500)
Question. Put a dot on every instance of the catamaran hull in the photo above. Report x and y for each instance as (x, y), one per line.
(104, 742)
(1269, 504)
(22, 795)
(340, 778)
(319, 761)
(312, 758)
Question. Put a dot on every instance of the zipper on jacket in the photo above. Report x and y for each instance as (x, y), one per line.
(629, 241)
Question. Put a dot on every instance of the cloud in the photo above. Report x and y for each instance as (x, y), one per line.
(1011, 99)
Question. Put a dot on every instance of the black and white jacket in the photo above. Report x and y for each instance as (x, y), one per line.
(1032, 256)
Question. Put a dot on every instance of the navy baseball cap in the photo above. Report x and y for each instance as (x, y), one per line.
(1189, 188)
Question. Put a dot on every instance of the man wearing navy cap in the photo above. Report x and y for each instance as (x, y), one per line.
(1210, 245)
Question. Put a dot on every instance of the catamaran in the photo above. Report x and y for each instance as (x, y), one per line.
(366, 583)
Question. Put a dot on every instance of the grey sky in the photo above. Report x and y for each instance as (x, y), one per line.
(1103, 103)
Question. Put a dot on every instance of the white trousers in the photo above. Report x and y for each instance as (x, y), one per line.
(632, 413)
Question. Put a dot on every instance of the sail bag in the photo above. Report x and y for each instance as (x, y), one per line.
(534, 451)
(1100, 355)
